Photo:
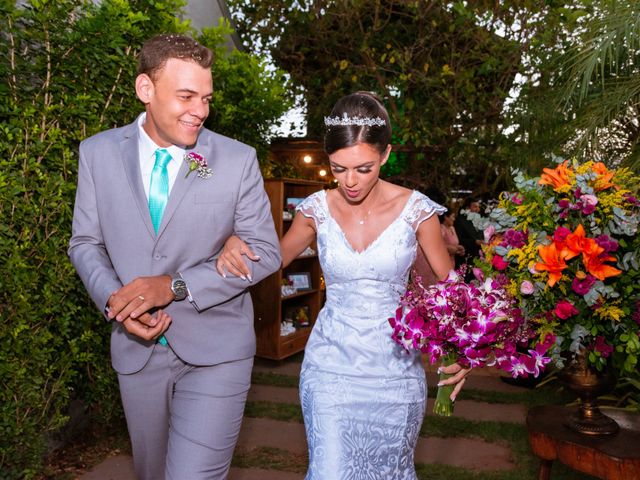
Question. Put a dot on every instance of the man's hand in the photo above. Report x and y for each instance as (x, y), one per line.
(140, 296)
(139, 329)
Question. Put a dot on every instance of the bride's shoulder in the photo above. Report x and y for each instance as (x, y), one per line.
(313, 207)
(396, 193)
(420, 207)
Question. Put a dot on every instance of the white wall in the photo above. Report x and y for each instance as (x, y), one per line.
(205, 13)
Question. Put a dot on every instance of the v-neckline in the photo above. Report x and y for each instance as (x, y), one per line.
(375, 240)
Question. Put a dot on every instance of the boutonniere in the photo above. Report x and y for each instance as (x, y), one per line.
(198, 163)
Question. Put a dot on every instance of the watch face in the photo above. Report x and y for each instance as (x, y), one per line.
(179, 288)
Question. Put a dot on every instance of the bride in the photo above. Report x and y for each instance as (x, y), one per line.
(363, 397)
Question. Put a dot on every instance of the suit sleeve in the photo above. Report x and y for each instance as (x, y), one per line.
(86, 247)
(254, 224)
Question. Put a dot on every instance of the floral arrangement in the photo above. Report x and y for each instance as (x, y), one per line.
(568, 244)
(474, 324)
(197, 163)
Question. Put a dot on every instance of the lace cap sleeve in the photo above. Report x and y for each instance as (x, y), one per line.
(314, 207)
(421, 208)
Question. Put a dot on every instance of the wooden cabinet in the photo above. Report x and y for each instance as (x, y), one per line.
(270, 307)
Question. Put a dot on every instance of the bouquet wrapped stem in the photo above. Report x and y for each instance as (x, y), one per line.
(444, 405)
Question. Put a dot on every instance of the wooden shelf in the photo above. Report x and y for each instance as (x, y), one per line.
(301, 293)
(300, 332)
(268, 303)
(302, 257)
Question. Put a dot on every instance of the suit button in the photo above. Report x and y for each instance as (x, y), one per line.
(158, 256)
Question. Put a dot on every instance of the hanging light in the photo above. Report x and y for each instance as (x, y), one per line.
(322, 172)
(307, 159)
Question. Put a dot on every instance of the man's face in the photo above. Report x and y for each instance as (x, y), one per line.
(474, 207)
(176, 101)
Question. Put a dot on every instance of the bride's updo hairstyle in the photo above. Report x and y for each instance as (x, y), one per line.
(357, 118)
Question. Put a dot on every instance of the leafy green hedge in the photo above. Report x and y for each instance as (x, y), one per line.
(67, 70)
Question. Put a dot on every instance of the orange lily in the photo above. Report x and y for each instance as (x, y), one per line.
(577, 243)
(595, 266)
(603, 180)
(557, 177)
(553, 261)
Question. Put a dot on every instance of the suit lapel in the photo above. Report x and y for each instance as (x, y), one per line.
(131, 163)
(183, 183)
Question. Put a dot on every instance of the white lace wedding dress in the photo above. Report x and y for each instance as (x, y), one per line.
(363, 396)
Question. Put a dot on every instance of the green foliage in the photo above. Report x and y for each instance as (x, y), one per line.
(580, 93)
(444, 70)
(247, 97)
(67, 70)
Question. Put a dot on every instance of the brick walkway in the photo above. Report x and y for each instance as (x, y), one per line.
(263, 432)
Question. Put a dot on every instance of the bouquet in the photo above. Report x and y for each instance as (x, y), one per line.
(567, 243)
(473, 324)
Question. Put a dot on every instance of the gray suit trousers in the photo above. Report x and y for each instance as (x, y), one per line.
(198, 409)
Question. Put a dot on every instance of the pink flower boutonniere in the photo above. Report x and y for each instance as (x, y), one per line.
(198, 163)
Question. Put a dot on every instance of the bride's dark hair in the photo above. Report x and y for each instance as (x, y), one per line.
(365, 121)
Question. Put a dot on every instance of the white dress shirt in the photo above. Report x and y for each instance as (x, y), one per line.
(147, 157)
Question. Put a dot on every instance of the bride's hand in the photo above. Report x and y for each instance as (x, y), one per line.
(459, 377)
(231, 258)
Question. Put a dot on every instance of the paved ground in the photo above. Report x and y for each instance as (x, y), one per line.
(262, 432)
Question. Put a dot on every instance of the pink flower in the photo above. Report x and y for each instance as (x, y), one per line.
(534, 362)
(582, 286)
(499, 263)
(514, 238)
(565, 309)
(636, 314)
(513, 365)
(526, 287)
(560, 235)
(517, 199)
(488, 233)
(631, 199)
(602, 347)
(606, 242)
(197, 163)
(480, 323)
(477, 273)
(589, 203)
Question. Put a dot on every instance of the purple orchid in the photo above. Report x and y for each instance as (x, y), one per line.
(479, 322)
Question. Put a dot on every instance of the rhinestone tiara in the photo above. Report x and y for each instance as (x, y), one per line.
(360, 121)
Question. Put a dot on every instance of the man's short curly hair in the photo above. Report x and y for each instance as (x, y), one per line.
(157, 50)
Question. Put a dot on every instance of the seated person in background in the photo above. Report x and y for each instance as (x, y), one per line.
(470, 237)
(455, 249)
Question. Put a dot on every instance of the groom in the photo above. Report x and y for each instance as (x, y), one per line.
(155, 200)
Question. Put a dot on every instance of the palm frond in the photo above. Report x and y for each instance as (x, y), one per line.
(609, 47)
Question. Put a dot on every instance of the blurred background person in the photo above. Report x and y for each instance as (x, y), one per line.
(469, 236)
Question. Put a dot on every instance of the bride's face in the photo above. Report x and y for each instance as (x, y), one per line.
(356, 169)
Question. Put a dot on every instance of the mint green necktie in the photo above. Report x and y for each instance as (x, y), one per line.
(159, 187)
(158, 196)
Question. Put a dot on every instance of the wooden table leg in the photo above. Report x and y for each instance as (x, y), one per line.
(545, 470)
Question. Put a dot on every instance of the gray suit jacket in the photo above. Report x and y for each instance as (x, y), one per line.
(113, 242)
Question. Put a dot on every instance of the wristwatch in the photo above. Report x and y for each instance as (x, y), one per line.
(179, 288)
